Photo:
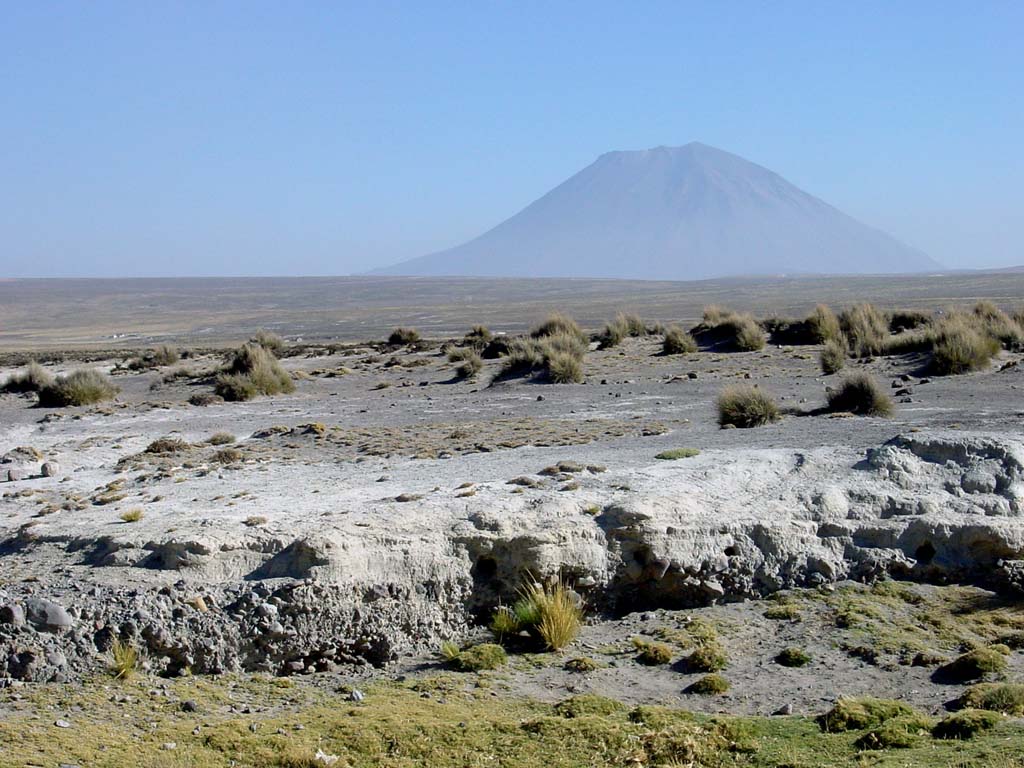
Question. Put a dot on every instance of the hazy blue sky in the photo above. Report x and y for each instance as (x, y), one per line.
(156, 138)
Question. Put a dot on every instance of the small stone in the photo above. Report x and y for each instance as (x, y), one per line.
(14, 475)
(169, 745)
(12, 614)
(50, 469)
(47, 615)
(539, 398)
(62, 724)
(785, 709)
(189, 706)
(356, 695)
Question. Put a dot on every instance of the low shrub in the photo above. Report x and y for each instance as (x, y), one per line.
(221, 438)
(975, 664)
(678, 453)
(155, 358)
(745, 406)
(132, 515)
(475, 658)
(588, 704)
(902, 732)
(252, 371)
(709, 656)
(652, 652)
(82, 387)
(710, 685)
(32, 379)
(860, 394)
(965, 724)
(793, 657)
(678, 342)
(227, 456)
(164, 445)
(402, 336)
(833, 356)
(1007, 698)
(858, 714)
(499, 346)
(581, 664)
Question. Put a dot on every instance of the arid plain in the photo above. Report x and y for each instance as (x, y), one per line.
(198, 572)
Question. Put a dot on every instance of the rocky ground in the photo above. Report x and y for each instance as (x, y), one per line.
(346, 530)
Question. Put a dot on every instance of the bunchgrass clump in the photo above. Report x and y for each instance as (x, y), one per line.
(556, 358)
(623, 326)
(652, 652)
(865, 328)
(745, 406)
(550, 613)
(221, 438)
(32, 379)
(270, 341)
(564, 367)
(252, 371)
(833, 356)
(678, 342)
(124, 660)
(85, 386)
(730, 330)
(710, 685)
(557, 324)
(132, 515)
(996, 324)
(965, 724)
(469, 362)
(402, 336)
(823, 325)
(478, 337)
(908, 320)
(860, 394)
(960, 346)
(157, 357)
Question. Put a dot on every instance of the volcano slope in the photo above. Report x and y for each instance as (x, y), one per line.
(342, 532)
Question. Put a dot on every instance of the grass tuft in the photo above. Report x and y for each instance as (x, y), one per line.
(124, 660)
(32, 379)
(745, 406)
(401, 336)
(82, 387)
(678, 453)
(860, 394)
(833, 356)
(678, 342)
(252, 371)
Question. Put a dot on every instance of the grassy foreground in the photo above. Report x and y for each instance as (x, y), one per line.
(450, 720)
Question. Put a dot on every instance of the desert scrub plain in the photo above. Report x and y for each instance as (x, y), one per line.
(287, 563)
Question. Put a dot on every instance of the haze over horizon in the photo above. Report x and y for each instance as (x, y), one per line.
(247, 139)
